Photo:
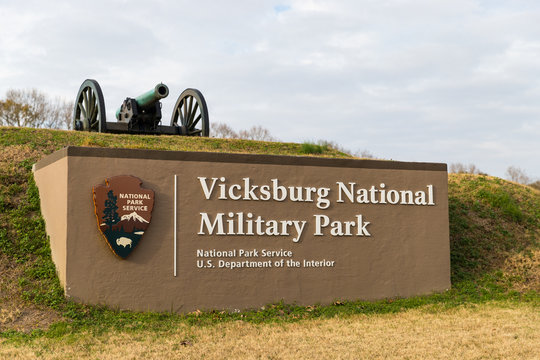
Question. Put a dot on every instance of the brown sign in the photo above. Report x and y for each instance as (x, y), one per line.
(232, 231)
(123, 211)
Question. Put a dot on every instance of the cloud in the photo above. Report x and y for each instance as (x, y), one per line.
(281, 8)
(411, 80)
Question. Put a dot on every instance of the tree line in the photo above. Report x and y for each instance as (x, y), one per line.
(32, 108)
(513, 173)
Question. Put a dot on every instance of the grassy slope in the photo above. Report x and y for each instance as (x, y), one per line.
(494, 230)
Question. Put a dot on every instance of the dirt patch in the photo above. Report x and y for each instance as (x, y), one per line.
(15, 313)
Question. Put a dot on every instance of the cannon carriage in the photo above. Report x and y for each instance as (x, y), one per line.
(141, 115)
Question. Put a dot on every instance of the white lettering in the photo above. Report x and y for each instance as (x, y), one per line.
(348, 192)
(362, 231)
(430, 195)
(249, 189)
(276, 191)
(299, 229)
(321, 221)
(406, 194)
(231, 192)
(280, 192)
(322, 201)
(207, 192)
(205, 221)
(238, 224)
(420, 198)
(393, 197)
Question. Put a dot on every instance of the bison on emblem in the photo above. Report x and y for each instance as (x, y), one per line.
(124, 241)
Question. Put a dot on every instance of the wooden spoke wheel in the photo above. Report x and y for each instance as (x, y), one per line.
(191, 114)
(89, 110)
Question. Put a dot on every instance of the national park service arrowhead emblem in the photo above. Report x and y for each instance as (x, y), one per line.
(123, 211)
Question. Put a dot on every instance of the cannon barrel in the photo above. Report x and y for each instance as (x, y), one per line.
(150, 97)
(160, 91)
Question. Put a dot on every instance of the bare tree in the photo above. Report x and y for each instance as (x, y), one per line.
(256, 133)
(365, 154)
(60, 115)
(21, 108)
(220, 130)
(516, 174)
(32, 108)
(459, 168)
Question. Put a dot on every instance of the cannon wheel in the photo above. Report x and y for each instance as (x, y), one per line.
(191, 114)
(89, 110)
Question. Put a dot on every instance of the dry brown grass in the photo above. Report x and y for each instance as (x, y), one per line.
(489, 331)
(524, 270)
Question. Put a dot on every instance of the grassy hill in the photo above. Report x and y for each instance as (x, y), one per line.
(494, 234)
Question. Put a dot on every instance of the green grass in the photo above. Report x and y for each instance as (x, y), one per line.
(491, 221)
(47, 141)
(310, 148)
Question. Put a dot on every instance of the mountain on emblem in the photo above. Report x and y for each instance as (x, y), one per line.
(133, 217)
(123, 211)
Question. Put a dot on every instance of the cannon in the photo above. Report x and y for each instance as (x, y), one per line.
(142, 114)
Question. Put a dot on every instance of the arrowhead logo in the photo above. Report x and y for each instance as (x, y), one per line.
(123, 211)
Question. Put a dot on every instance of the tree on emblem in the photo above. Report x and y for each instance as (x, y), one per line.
(109, 213)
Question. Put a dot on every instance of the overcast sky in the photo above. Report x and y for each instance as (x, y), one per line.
(411, 80)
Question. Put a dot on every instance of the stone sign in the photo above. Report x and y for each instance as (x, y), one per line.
(232, 231)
